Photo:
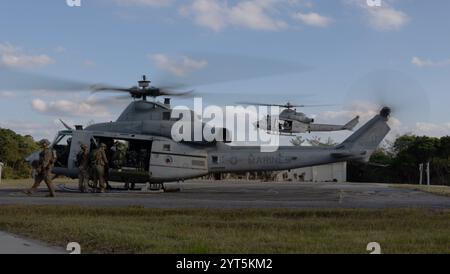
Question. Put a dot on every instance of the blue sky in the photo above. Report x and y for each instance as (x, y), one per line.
(117, 41)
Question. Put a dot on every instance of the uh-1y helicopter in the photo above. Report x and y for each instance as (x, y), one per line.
(141, 148)
(290, 121)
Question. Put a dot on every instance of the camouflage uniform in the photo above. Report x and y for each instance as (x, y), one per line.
(83, 166)
(99, 163)
(120, 151)
(43, 169)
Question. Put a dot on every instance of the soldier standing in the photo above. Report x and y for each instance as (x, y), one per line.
(83, 166)
(99, 163)
(44, 166)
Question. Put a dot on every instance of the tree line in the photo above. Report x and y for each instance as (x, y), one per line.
(398, 161)
(14, 148)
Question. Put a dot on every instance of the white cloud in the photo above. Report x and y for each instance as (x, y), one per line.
(256, 15)
(387, 19)
(210, 14)
(150, 3)
(428, 63)
(39, 105)
(37, 130)
(14, 57)
(7, 94)
(89, 107)
(364, 110)
(432, 129)
(60, 49)
(367, 111)
(313, 19)
(383, 18)
(178, 67)
(217, 15)
(251, 14)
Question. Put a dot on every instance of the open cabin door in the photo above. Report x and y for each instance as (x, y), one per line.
(171, 161)
(67, 145)
(128, 157)
(79, 138)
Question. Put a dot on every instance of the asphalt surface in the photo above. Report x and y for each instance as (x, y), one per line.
(205, 194)
(12, 244)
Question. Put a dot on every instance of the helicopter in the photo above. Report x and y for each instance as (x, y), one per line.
(290, 121)
(142, 151)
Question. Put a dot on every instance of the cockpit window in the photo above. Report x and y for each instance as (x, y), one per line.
(63, 140)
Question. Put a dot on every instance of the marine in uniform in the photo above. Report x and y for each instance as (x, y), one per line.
(83, 166)
(99, 163)
(43, 168)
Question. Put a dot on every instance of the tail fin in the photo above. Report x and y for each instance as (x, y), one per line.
(352, 124)
(370, 135)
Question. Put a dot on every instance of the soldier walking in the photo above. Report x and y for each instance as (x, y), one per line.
(99, 163)
(83, 165)
(43, 167)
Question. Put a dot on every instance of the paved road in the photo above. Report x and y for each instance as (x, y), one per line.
(12, 244)
(199, 194)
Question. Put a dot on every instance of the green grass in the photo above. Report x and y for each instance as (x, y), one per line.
(25, 183)
(16, 183)
(139, 230)
(439, 190)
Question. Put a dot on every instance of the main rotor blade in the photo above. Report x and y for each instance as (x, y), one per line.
(259, 104)
(312, 106)
(285, 105)
(15, 80)
(104, 88)
(389, 88)
(173, 93)
(221, 68)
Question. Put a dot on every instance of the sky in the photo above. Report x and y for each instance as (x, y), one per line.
(344, 48)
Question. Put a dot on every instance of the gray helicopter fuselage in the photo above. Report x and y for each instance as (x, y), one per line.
(152, 155)
(293, 115)
(293, 122)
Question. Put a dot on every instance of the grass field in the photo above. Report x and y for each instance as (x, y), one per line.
(16, 183)
(439, 190)
(139, 230)
(25, 183)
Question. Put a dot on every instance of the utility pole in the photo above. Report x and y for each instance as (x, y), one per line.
(428, 174)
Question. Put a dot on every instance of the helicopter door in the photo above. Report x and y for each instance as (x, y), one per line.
(79, 138)
(62, 146)
(67, 145)
(171, 161)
